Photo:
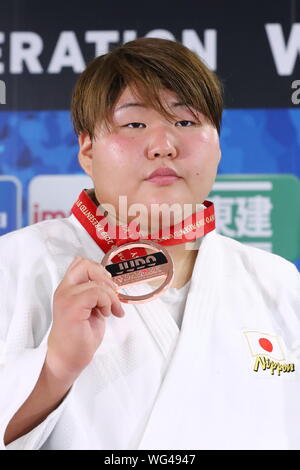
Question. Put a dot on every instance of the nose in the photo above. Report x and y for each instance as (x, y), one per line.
(161, 144)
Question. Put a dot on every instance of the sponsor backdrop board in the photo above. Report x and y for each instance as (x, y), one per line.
(253, 46)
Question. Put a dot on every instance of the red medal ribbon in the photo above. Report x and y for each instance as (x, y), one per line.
(93, 219)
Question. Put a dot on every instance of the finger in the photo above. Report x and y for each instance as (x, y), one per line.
(106, 271)
(84, 297)
(74, 262)
(87, 270)
(115, 304)
(89, 298)
(105, 311)
(97, 312)
(97, 296)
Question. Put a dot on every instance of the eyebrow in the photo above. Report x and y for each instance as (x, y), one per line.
(143, 105)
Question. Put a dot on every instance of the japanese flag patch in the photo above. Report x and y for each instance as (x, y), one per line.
(268, 352)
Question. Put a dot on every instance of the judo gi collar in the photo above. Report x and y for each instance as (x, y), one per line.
(93, 219)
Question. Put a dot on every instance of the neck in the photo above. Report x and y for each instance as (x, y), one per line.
(184, 261)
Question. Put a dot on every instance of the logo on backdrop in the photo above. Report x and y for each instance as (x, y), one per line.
(52, 196)
(256, 210)
(10, 204)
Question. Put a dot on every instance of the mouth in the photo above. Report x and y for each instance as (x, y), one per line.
(163, 180)
(163, 176)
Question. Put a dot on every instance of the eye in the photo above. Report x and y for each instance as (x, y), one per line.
(135, 125)
(185, 123)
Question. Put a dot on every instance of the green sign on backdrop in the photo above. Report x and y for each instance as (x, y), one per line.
(260, 210)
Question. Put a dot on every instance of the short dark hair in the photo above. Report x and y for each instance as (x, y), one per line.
(148, 65)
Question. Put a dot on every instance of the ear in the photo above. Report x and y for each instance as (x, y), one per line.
(85, 154)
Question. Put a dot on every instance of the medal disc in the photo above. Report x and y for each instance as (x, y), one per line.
(140, 269)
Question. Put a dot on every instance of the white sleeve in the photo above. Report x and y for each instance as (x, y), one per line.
(19, 376)
(28, 278)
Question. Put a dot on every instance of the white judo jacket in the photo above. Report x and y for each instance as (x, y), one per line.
(228, 379)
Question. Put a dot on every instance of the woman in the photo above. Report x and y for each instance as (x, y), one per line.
(209, 364)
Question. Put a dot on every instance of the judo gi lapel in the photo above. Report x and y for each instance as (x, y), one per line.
(170, 408)
(158, 320)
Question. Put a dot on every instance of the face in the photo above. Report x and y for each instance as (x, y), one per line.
(141, 141)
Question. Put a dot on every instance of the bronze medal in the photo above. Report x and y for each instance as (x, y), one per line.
(140, 269)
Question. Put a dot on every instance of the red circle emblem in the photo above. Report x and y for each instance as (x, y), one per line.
(266, 344)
